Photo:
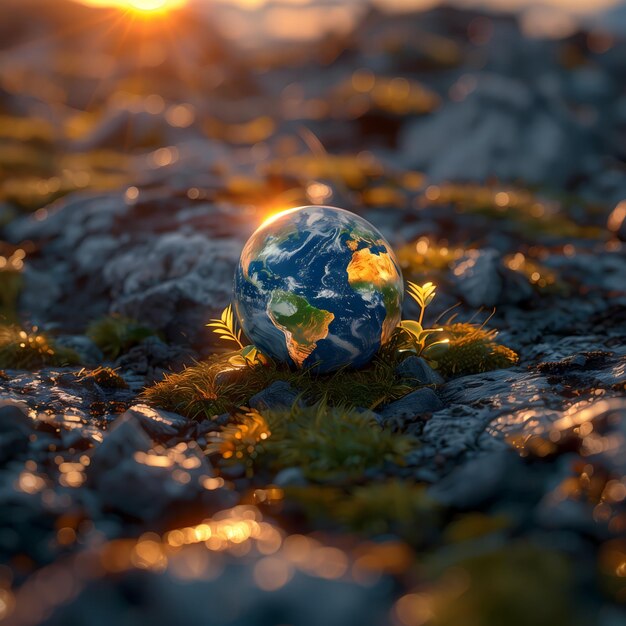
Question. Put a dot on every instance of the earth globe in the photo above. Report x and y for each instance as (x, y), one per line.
(318, 287)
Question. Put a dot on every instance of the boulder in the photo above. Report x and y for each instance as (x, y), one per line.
(416, 403)
(279, 395)
(416, 369)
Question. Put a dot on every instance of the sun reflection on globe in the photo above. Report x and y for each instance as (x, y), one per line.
(319, 287)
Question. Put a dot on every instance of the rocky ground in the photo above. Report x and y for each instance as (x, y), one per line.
(495, 166)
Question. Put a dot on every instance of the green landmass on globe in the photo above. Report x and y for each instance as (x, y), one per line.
(302, 323)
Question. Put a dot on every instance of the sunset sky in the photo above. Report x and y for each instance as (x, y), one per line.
(575, 6)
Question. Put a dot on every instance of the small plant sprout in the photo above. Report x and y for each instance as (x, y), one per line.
(249, 356)
(410, 335)
(423, 295)
(225, 327)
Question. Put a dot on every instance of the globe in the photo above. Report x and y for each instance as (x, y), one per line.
(318, 287)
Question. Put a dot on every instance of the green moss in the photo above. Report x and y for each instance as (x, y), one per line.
(105, 377)
(540, 277)
(20, 349)
(316, 503)
(393, 506)
(369, 387)
(471, 526)
(472, 350)
(115, 335)
(427, 258)
(611, 568)
(214, 386)
(519, 584)
(11, 284)
(516, 210)
(323, 441)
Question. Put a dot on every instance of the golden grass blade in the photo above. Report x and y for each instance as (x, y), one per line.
(225, 327)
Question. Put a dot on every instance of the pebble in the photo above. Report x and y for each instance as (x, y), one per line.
(416, 369)
(279, 395)
(418, 403)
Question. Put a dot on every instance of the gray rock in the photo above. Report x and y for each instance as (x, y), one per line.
(482, 279)
(142, 260)
(290, 477)
(132, 478)
(485, 412)
(157, 281)
(145, 488)
(279, 395)
(152, 357)
(567, 514)
(233, 598)
(87, 350)
(14, 419)
(449, 436)
(159, 424)
(71, 220)
(477, 278)
(509, 387)
(63, 397)
(15, 429)
(504, 128)
(94, 253)
(124, 438)
(228, 376)
(417, 369)
(414, 404)
(474, 482)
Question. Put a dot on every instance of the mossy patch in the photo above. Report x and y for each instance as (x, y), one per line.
(472, 350)
(21, 349)
(11, 283)
(425, 257)
(391, 506)
(104, 377)
(516, 584)
(214, 386)
(323, 441)
(514, 209)
(115, 335)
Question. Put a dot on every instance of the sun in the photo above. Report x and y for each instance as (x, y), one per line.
(142, 7)
(148, 6)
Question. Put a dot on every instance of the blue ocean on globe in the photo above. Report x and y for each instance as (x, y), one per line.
(318, 287)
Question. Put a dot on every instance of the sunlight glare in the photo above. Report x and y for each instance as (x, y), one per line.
(146, 7)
